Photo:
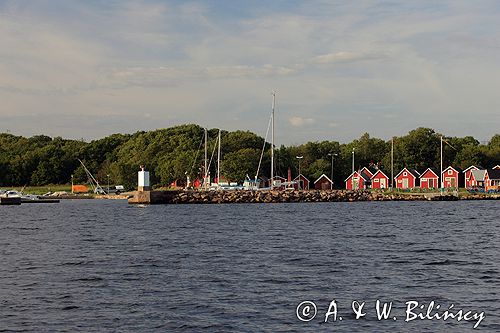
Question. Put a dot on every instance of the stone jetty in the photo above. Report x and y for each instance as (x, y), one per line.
(275, 196)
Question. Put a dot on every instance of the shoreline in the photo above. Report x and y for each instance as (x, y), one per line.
(275, 196)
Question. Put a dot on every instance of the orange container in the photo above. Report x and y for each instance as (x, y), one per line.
(80, 189)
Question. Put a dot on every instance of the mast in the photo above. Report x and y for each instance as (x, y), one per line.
(206, 160)
(218, 162)
(273, 93)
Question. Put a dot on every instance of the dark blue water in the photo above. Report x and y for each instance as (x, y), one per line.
(104, 266)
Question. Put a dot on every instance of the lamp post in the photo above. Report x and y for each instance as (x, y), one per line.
(352, 160)
(331, 174)
(108, 182)
(72, 185)
(299, 158)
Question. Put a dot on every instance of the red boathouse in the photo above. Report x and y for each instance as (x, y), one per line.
(429, 179)
(407, 179)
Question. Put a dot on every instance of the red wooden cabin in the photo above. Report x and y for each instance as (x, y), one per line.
(302, 182)
(492, 180)
(429, 179)
(380, 180)
(407, 179)
(323, 183)
(468, 175)
(357, 181)
(452, 177)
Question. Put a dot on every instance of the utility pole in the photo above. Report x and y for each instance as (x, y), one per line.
(273, 93)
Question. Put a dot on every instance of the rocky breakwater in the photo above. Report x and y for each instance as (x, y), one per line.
(275, 196)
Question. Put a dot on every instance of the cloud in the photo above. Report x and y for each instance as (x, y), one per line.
(345, 56)
(400, 64)
(300, 121)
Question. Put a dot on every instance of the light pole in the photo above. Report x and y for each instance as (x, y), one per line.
(352, 160)
(331, 174)
(108, 183)
(72, 185)
(299, 158)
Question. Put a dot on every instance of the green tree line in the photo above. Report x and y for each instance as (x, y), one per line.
(172, 153)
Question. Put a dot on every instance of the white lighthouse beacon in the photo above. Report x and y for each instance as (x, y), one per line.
(143, 180)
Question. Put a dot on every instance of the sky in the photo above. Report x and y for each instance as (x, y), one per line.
(87, 69)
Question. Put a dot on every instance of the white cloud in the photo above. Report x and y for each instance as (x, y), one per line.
(407, 62)
(300, 121)
(344, 56)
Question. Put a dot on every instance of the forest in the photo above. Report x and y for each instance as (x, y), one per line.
(172, 153)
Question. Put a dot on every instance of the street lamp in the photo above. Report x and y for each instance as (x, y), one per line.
(108, 183)
(299, 158)
(331, 174)
(352, 160)
(72, 184)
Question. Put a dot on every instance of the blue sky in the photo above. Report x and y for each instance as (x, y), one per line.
(86, 69)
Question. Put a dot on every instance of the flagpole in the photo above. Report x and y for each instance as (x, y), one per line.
(392, 164)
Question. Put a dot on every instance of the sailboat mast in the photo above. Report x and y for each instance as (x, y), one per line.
(206, 160)
(272, 138)
(218, 162)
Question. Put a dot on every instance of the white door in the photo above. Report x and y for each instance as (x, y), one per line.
(405, 183)
(382, 183)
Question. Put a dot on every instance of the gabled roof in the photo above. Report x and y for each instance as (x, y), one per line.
(379, 171)
(493, 173)
(361, 174)
(369, 171)
(496, 167)
(413, 172)
(434, 171)
(364, 175)
(478, 174)
(473, 167)
(301, 176)
(323, 176)
(456, 169)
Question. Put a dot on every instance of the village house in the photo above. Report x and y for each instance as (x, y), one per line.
(452, 177)
(323, 183)
(467, 175)
(407, 179)
(379, 180)
(429, 179)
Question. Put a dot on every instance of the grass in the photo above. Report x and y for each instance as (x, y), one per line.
(43, 189)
